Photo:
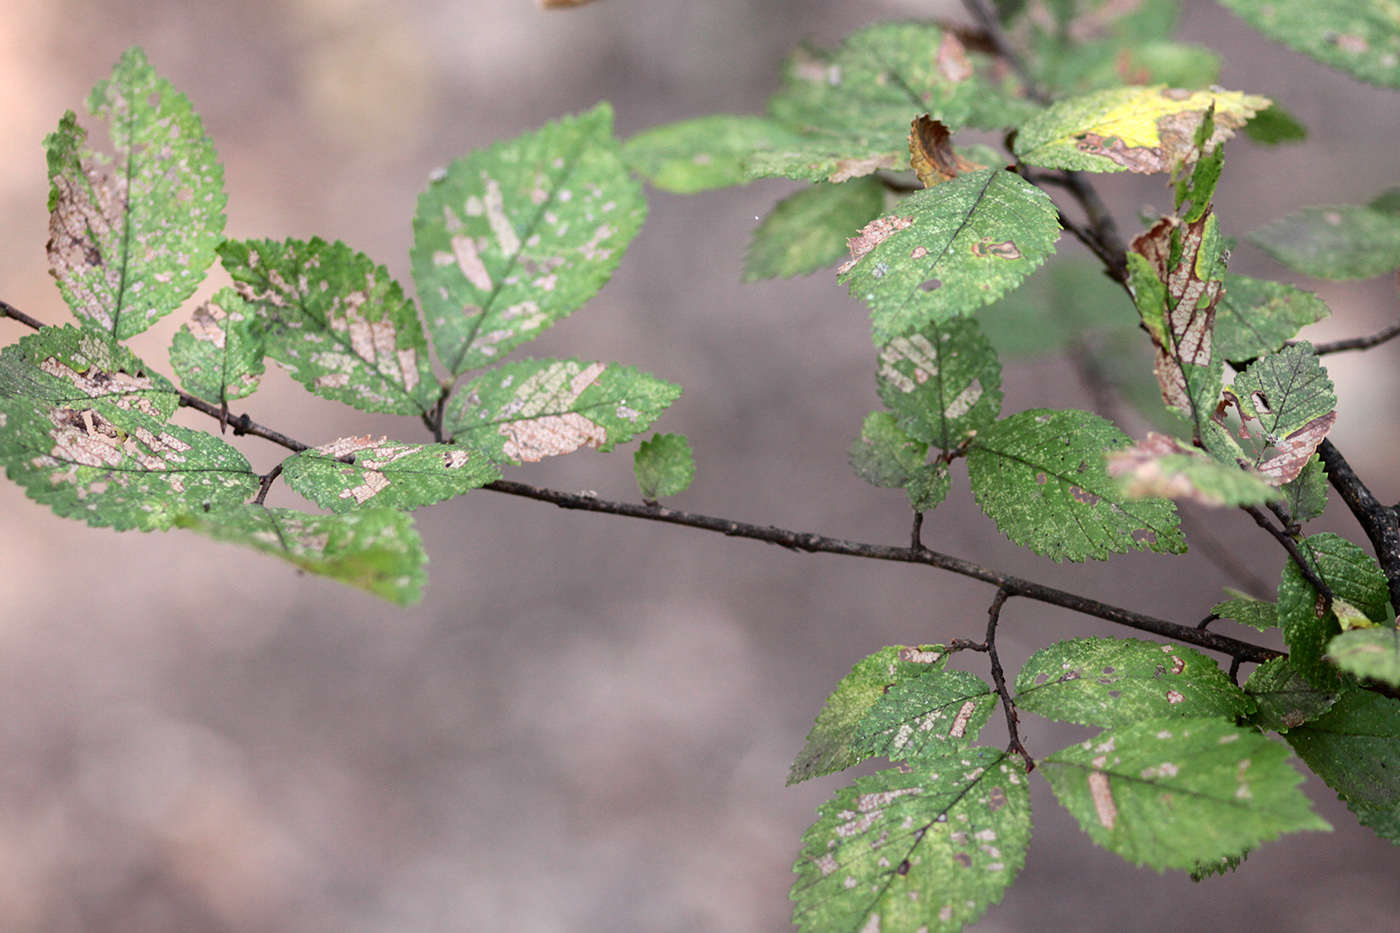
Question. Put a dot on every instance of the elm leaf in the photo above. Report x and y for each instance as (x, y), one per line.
(375, 550)
(1358, 37)
(512, 238)
(925, 716)
(1256, 316)
(385, 473)
(337, 321)
(664, 466)
(218, 355)
(1171, 793)
(1371, 653)
(1355, 748)
(1041, 476)
(927, 850)
(74, 366)
(831, 745)
(1289, 397)
(708, 152)
(884, 455)
(942, 381)
(132, 235)
(531, 409)
(1354, 578)
(947, 250)
(1338, 242)
(809, 230)
(1285, 698)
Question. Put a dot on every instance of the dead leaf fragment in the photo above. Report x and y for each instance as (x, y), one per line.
(1295, 450)
(1191, 301)
(931, 154)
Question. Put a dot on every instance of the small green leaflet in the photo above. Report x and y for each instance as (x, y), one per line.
(218, 355)
(1171, 793)
(375, 550)
(531, 409)
(1041, 476)
(1163, 466)
(74, 366)
(664, 466)
(809, 230)
(884, 455)
(1353, 577)
(1256, 316)
(830, 744)
(1355, 748)
(339, 323)
(1290, 397)
(925, 716)
(1134, 129)
(118, 467)
(1344, 242)
(943, 382)
(1275, 127)
(1119, 681)
(947, 250)
(132, 237)
(708, 152)
(1372, 653)
(1286, 700)
(385, 473)
(1246, 610)
(1358, 37)
(929, 850)
(511, 239)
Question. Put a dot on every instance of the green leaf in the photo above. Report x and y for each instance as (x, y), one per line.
(1372, 653)
(1256, 316)
(820, 158)
(1286, 700)
(513, 238)
(1352, 576)
(118, 467)
(943, 382)
(1133, 129)
(1068, 302)
(1163, 466)
(532, 409)
(375, 550)
(1306, 495)
(830, 745)
(925, 717)
(809, 230)
(339, 324)
(947, 250)
(70, 366)
(1358, 37)
(865, 93)
(1118, 681)
(1228, 863)
(1041, 476)
(928, 485)
(707, 152)
(1275, 127)
(1170, 793)
(884, 455)
(218, 355)
(385, 473)
(1341, 242)
(1246, 610)
(1355, 748)
(1384, 822)
(929, 850)
(664, 466)
(131, 237)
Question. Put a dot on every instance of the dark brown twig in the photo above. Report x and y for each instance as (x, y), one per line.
(1379, 522)
(999, 679)
(9, 310)
(1358, 343)
(1291, 546)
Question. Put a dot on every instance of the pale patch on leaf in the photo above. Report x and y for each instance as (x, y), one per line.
(351, 472)
(1137, 129)
(1163, 466)
(871, 236)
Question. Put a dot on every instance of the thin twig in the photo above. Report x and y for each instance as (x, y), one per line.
(1358, 343)
(819, 544)
(999, 679)
(9, 310)
(1291, 547)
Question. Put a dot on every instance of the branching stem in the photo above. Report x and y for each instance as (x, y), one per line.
(999, 679)
(1291, 546)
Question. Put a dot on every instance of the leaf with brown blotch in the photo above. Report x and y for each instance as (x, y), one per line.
(871, 236)
(1163, 466)
(931, 154)
(1289, 396)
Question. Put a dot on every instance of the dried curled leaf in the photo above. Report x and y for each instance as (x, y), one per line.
(931, 154)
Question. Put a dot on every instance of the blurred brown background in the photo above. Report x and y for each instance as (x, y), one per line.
(587, 723)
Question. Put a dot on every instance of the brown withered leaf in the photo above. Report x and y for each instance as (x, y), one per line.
(1185, 338)
(931, 154)
(1295, 450)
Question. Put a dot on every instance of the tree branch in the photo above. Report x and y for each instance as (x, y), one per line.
(9, 310)
(819, 544)
(1291, 546)
(1379, 522)
(1358, 343)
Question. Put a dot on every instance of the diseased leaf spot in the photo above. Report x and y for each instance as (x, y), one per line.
(1102, 795)
(987, 247)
